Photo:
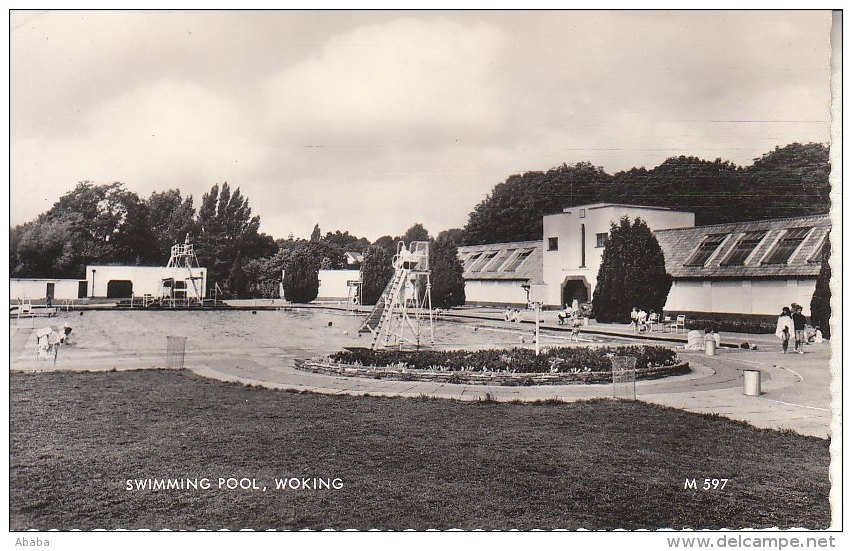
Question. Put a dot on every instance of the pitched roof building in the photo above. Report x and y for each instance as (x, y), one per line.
(744, 268)
(496, 273)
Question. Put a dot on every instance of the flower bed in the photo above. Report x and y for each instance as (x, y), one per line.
(516, 360)
(516, 367)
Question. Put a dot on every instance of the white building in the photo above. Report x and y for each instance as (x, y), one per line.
(44, 288)
(334, 284)
(136, 281)
(497, 274)
(574, 239)
(746, 268)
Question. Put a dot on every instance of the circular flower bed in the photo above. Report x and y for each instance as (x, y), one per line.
(517, 366)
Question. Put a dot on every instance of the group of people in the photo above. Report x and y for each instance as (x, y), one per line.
(572, 315)
(792, 323)
(640, 320)
(512, 314)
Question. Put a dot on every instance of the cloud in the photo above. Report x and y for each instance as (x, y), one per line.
(168, 134)
(371, 121)
(408, 80)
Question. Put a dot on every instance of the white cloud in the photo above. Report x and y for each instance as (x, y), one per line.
(403, 80)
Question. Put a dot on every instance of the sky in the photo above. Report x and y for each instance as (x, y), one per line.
(369, 122)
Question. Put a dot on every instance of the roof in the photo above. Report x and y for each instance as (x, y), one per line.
(592, 206)
(354, 256)
(521, 260)
(681, 245)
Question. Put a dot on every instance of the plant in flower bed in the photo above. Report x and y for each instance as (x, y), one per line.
(516, 360)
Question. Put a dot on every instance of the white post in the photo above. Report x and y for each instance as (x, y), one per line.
(537, 310)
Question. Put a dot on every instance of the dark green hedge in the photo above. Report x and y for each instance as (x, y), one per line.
(516, 360)
(756, 327)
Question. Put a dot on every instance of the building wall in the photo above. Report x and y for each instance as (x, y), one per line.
(36, 289)
(333, 284)
(567, 261)
(758, 297)
(146, 279)
(496, 291)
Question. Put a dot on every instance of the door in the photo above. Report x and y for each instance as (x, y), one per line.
(119, 288)
(51, 291)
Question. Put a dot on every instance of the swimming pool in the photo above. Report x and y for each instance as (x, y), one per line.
(108, 339)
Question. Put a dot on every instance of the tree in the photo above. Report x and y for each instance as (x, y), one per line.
(387, 243)
(415, 233)
(456, 235)
(47, 248)
(171, 217)
(109, 223)
(228, 236)
(328, 255)
(632, 273)
(796, 177)
(263, 275)
(513, 210)
(376, 272)
(346, 241)
(316, 235)
(447, 274)
(821, 301)
(301, 276)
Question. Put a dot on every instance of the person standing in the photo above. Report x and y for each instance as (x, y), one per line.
(784, 328)
(799, 321)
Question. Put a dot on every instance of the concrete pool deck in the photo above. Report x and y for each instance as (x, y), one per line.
(259, 349)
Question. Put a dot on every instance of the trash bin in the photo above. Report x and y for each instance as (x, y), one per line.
(710, 347)
(175, 352)
(751, 382)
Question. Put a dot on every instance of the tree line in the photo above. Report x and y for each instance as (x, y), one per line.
(108, 224)
(788, 181)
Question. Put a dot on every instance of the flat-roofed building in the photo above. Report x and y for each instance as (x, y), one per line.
(574, 241)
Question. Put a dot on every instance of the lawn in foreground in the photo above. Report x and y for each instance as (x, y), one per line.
(76, 438)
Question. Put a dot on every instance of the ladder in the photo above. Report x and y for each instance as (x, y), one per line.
(381, 313)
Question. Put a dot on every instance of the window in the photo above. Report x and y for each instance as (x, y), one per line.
(486, 258)
(602, 239)
(468, 262)
(705, 250)
(816, 257)
(744, 247)
(788, 244)
(582, 213)
(497, 262)
(515, 263)
(552, 243)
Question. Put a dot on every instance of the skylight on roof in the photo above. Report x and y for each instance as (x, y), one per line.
(705, 249)
(497, 262)
(519, 259)
(786, 246)
(816, 257)
(486, 258)
(744, 247)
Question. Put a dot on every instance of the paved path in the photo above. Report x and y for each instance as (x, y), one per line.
(259, 349)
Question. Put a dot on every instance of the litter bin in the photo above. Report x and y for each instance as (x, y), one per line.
(751, 382)
(710, 347)
(175, 352)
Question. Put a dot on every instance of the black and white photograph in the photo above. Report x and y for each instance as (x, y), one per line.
(414, 270)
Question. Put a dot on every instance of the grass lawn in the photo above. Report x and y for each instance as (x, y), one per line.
(77, 437)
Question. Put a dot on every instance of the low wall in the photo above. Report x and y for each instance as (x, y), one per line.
(501, 378)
